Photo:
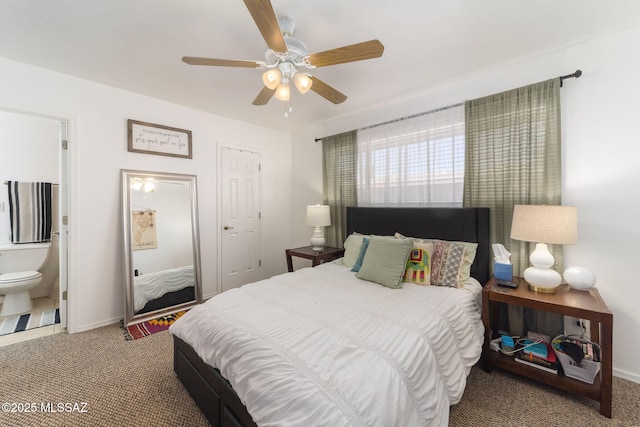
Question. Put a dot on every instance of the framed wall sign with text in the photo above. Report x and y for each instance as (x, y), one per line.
(157, 139)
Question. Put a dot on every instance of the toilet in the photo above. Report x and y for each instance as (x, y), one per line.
(19, 265)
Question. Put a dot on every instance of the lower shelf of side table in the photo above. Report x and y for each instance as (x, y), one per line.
(567, 302)
(559, 380)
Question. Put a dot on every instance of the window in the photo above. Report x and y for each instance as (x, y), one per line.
(417, 161)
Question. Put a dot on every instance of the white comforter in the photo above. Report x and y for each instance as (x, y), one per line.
(153, 285)
(320, 347)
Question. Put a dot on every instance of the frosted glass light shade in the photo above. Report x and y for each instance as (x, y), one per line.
(579, 278)
(303, 82)
(136, 183)
(271, 78)
(283, 92)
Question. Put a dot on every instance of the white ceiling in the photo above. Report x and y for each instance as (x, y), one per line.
(137, 45)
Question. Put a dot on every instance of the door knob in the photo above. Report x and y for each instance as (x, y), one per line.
(226, 227)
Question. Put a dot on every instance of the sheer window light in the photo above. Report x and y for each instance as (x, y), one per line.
(417, 161)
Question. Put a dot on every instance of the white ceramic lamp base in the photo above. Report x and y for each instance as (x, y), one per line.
(541, 277)
(317, 240)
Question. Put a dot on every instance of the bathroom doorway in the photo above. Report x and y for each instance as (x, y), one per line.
(33, 148)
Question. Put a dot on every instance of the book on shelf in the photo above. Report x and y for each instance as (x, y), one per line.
(537, 363)
(541, 350)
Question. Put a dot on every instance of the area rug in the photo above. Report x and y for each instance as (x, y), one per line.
(144, 329)
(27, 321)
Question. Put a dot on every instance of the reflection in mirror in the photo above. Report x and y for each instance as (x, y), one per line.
(161, 244)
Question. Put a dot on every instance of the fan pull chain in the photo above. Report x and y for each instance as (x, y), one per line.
(288, 111)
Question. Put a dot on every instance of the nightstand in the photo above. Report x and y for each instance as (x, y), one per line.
(317, 258)
(570, 302)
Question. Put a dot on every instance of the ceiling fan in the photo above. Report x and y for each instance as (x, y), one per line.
(287, 56)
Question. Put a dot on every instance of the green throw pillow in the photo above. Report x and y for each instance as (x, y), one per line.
(352, 246)
(385, 261)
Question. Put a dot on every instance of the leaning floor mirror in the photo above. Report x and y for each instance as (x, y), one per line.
(161, 244)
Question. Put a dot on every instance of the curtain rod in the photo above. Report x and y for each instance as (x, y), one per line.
(7, 183)
(408, 117)
(576, 75)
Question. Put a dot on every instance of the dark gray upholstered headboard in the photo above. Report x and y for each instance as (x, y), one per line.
(455, 224)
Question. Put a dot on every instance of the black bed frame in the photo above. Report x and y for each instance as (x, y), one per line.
(213, 393)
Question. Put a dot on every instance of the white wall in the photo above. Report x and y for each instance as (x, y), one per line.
(98, 151)
(600, 162)
(307, 188)
(29, 147)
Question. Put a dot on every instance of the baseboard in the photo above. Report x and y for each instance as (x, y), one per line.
(90, 326)
(630, 376)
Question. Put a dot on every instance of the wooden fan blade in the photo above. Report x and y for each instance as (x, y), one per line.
(267, 22)
(351, 53)
(326, 91)
(191, 60)
(264, 96)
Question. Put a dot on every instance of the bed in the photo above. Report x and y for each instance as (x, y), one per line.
(157, 290)
(322, 346)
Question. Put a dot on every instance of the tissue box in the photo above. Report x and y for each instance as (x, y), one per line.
(503, 271)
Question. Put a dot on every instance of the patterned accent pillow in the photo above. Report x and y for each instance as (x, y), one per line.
(469, 256)
(446, 263)
(418, 269)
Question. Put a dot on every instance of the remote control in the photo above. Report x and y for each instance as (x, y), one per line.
(507, 284)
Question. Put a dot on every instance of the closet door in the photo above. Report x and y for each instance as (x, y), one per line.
(240, 217)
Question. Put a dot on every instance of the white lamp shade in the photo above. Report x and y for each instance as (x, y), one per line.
(318, 215)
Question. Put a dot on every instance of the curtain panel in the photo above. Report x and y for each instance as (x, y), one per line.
(339, 166)
(512, 143)
(513, 147)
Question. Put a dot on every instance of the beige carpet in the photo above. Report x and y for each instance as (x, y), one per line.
(123, 383)
(131, 383)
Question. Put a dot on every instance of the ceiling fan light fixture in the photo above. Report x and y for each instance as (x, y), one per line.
(303, 82)
(283, 92)
(271, 78)
(285, 54)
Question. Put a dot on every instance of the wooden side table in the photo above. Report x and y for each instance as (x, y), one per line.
(327, 254)
(570, 302)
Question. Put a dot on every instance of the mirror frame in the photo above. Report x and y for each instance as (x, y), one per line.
(130, 317)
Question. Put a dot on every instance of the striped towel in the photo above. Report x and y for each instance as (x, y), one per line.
(30, 211)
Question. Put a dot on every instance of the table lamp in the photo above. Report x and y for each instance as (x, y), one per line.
(318, 216)
(544, 224)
